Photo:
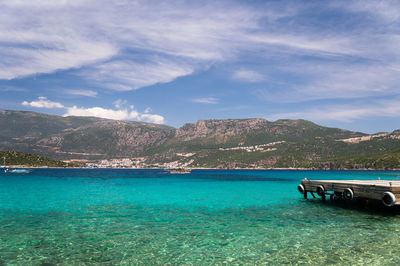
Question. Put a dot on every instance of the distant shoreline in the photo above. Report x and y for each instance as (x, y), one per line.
(199, 168)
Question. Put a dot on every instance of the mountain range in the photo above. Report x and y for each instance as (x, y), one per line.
(227, 143)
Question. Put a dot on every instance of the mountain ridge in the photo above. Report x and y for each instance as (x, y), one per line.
(221, 143)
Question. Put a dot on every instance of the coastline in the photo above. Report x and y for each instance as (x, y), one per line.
(201, 168)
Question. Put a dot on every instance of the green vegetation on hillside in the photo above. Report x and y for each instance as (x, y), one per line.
(26, 159)
(209, 143)
(384, 161)
(77, 137)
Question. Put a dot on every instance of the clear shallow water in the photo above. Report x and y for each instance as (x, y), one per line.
(208, 217)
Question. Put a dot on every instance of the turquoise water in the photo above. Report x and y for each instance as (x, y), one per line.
(208, 217)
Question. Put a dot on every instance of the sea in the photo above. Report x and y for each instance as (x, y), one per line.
(207, 217)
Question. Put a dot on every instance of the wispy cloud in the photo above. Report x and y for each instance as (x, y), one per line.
(208, 100)
(87, 93)
(182, 34)
(43, 102)
(59, 53)
(248, 75)
(102, 35)
(12, 88)
(119, 103)
(318, 81)
(345, 113)
(387, 10)
(124, 75)
(351, 53)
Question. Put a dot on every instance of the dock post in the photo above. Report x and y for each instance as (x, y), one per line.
(305, 194)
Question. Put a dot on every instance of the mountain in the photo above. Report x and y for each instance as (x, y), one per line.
(226, 143)
(77, 137)
(234, 143)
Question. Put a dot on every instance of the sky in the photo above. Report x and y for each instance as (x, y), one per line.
(336, 63)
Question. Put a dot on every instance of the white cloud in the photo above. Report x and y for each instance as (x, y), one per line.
(87, 93)
(184, 36)
(389, 10)
(123, 114)
(73, 34)
(41, 3)
(158, 119)
(248, 75)
(127, 45)
(59, 53)
(119, 114)
(317, 81)
(119, 103)
(43, 102)
(208, 100)
(116, 114)
(123, 75)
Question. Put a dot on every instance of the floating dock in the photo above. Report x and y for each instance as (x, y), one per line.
(388, 192)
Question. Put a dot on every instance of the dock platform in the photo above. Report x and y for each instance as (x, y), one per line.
(388, 192)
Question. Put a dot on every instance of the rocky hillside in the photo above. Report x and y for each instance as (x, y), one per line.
(253, 131)
(259, 143)
(77, 137)
(230, 133)
(207, 143)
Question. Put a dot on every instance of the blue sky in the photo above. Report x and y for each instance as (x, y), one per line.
(336, 63)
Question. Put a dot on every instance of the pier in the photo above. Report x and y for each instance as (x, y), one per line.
(388, 192)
